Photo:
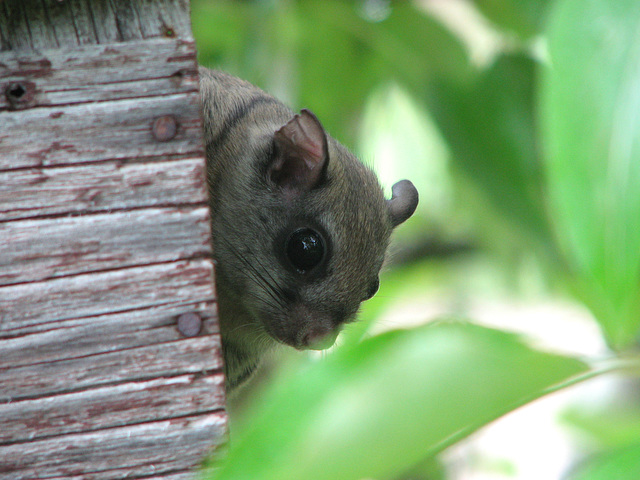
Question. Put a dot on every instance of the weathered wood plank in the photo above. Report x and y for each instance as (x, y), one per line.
(102, 131)
(96, 379)
(115, 291)
(127, 20)
(16, 31)
(93, 73)
(101, 187)
(122, 474)
(104, 21)
(153, 24)
(82, 22)
(4, 34)
(176, 476)
(40, 32)
(75, 338)
(126, 452)
(110, 406)
(181, 24)
(179, 82)
(34, 250)
(60, 21)
(163, 17)
(189, 355)
(51, 23)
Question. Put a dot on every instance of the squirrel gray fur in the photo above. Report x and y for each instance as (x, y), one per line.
(299, 225)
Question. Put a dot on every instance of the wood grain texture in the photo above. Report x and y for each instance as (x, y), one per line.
(37, 24)
(34, 250)
(96, 132)
(92, 73)
(64, 31)
(15, 32)
(126, 452)
(41, 35)
(102, 187)
(104, 244)
(104, 21)
(76, 338)
(174, 476)
(114, 291)
(82, 21)
(110, 406)
(122, 474)
(188, 355)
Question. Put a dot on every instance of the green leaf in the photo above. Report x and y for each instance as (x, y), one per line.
(491, 132)
(622, 464)
(524, 18)
(590, 105)
(402, 141)
(326, 55)
(381, 406)
(611, 425)
(341, 56)
(218, 29)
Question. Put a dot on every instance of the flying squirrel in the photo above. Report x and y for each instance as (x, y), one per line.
(299, 225)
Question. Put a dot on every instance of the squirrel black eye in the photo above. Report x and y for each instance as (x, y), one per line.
(305, 249)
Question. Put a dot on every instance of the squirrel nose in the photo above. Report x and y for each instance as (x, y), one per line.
(320, 338)
(313, 329)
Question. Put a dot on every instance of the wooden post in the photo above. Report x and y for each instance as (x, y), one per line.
(110, 359)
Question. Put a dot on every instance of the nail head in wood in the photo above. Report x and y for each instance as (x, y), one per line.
(189, 324)
(165, 128)
(20, 94)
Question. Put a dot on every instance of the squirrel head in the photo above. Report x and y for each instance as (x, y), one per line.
(305, 242)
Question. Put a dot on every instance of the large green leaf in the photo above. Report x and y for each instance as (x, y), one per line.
(612, 425)
(590, 101)
(490, 129)
(524, 18)
(220, 30)
(341, 55)
(622, 464)
(379, 407)
(326, 55)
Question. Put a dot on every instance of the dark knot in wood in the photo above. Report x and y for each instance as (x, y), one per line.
(165, 128)
(189, 324)
(20, 94)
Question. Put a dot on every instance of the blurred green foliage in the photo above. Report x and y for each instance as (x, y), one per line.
(621, 464)
(590, 122)
(528, 153)
(516, 17)
(367, 406)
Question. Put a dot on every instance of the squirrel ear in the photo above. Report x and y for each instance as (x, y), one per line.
(301, 154)
(403, 202)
